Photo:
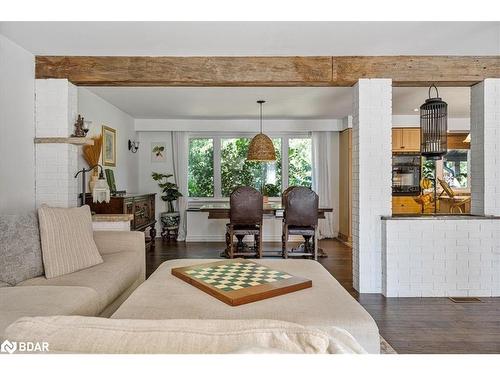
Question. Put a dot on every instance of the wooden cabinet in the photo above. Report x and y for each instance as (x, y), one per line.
(141, 206)
(406, 139)
(345, 185)
(405, 205)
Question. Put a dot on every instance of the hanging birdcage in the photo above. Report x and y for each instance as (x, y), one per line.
(433, 127)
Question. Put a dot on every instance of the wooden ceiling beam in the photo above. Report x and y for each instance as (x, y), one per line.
(267, 71)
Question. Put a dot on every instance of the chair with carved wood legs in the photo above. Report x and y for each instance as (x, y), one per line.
(301, 218)
(246, 209)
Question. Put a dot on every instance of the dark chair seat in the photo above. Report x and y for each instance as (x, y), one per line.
(301, 231)
(301, 218)
(243, 229)
(245, 219)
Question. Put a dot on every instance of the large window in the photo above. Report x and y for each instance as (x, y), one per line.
(299, 157)
(217, 165)
(237, 171)
(456, 168)
(201, 167)
(453, 168)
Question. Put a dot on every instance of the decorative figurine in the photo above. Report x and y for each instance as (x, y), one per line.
(80, 129)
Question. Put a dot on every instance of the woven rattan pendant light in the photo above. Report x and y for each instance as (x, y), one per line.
(261, 147)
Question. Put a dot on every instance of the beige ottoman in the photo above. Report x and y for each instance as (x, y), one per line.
(324, 306)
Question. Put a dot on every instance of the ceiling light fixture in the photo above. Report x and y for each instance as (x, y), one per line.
(433, 127)
(261, 147)
(433, 132)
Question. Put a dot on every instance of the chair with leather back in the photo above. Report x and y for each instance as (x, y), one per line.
(301, 218)
(245, 218)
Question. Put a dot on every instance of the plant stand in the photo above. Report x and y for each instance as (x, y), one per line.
(170, 225)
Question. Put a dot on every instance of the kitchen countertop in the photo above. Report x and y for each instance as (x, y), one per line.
(439, 217)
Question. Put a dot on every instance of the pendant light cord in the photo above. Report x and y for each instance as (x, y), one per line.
(261, 117)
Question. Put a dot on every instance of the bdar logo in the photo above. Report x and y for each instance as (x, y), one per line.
(8, 347)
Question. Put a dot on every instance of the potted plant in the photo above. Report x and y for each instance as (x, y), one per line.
(171, 218)
(269, 190)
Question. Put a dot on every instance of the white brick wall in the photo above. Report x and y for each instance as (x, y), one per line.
(56, 165)
(438, 258)
(371, 178)
(56, 105)
(485, 147)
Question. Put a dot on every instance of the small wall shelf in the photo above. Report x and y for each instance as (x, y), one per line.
(71, 140)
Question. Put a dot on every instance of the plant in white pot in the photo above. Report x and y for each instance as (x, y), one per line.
(171, 218)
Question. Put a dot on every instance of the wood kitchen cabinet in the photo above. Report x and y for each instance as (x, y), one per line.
(405, 205)
(406, 139)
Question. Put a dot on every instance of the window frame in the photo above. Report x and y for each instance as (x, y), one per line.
(217, 144)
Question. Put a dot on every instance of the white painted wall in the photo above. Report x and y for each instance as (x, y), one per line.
(17, 128)
(146, 167)
(100, 112)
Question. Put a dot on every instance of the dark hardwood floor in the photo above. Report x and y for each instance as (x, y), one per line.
(410, 325)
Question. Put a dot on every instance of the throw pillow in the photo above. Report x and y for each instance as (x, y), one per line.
(20, 251)
(67, 240)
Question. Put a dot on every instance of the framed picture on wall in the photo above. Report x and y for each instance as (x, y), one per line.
(158, 152)
(108, 146)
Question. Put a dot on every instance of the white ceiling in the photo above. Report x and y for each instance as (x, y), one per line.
(282, 102)
(255, 38)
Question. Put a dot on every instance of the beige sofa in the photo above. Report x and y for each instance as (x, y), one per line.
(95, 291)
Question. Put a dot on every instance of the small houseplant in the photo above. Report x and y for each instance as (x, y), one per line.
(171, 218)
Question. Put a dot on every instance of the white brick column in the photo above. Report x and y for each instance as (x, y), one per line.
(371, 179)
(485, 147)
(56, 107)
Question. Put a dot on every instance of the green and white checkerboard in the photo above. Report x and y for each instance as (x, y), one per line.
(237, 275)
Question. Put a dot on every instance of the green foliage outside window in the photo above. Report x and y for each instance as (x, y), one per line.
(201, 167)
(299, 159)
(237, 171)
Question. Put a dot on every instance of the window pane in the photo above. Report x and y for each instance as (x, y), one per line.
(201, 167)
(299, 159)
(455, 168)
(237, 171)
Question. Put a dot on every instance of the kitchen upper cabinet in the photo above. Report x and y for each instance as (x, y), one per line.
(405, 139)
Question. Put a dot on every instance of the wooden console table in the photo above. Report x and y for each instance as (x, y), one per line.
(140, 206)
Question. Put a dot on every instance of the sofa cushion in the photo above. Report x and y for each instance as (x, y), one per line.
(67, 240)
(100, 335)
(109, 279)
(20, 301)
(20, 250)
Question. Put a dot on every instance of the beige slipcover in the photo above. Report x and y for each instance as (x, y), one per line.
(73, 334)
(326, 306)
(16, 302)
(97, 290)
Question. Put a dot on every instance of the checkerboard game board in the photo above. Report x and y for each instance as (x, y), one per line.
(238, 281)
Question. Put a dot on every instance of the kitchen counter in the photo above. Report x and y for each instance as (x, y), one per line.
(439, 217)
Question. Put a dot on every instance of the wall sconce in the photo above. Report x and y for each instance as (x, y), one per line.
(133, 146)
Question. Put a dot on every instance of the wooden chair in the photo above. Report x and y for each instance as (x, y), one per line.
(301, 218)
(458, 203)
(245, 216)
